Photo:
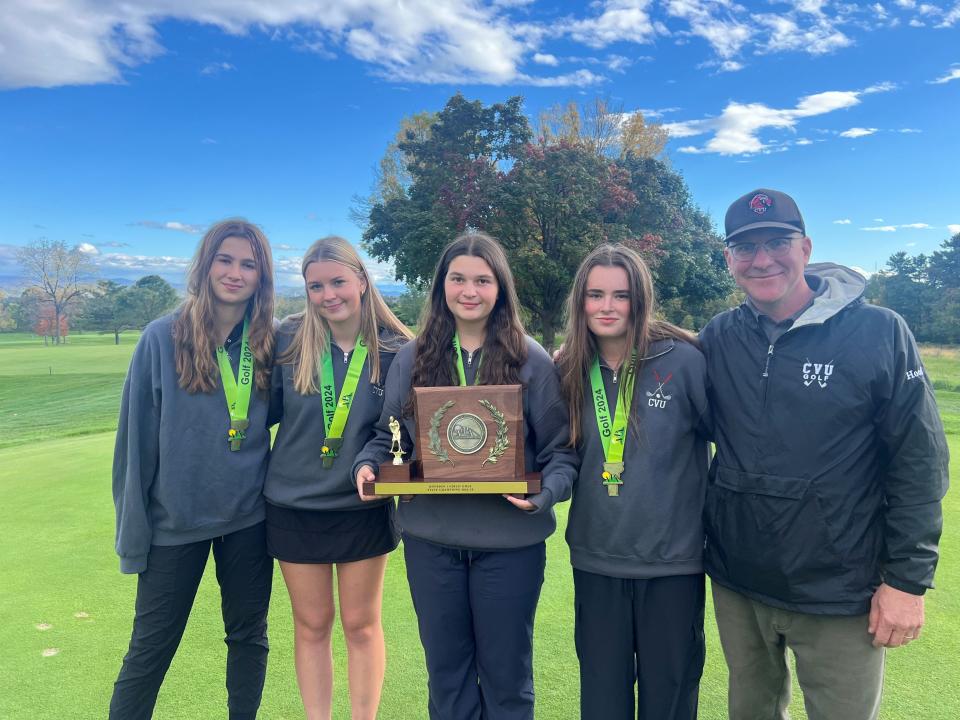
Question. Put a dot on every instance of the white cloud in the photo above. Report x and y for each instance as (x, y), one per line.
(916, 226)
(75, 42)
(730, 66)
(735, 131)
(845, 221)
(619, 21)
(881, 228)
(951, 17)
(215, 68)
(906, 3)
(954, 229)
(803, 141)
(88, 249)
(909, 131)
(545, 59)
(952, 74)
(858, 132)
(726, 35)
(914, 23)
(170, 225)
(580, 78)
(878, 220)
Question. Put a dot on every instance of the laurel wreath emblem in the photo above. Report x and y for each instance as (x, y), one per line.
(436, 447)
(501, 442)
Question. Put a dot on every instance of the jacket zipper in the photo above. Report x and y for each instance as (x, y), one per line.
(766, 375)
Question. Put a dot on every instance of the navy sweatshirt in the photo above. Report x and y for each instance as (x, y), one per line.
(654, 528)
(487, 522)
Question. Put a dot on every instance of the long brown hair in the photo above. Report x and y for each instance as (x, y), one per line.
(580, 346)
(194, 338)
(505, 345)
(312, 336)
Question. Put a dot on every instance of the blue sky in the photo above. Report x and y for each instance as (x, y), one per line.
(128, 127)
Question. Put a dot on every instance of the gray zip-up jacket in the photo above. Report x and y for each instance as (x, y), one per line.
(175, 479)
(486, 522)
(654, 528)
(296, 477)
(831, 458)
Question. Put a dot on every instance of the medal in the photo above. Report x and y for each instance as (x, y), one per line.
(612, 433)
(336, 412)
(237, 389)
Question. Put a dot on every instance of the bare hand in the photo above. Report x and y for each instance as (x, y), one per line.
(521, 503)
(895, 617)
(365, 474)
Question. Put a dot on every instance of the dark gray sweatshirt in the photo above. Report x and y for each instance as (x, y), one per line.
(487, 522)
(654, 527)
(175, 479)
(296, 477)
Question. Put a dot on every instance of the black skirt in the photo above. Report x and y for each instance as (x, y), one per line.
(331, 536)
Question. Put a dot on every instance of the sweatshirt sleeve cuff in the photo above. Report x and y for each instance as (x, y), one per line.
(133, 564)
(543, 500)
(907, 587)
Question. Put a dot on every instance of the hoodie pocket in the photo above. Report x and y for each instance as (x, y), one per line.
(767, 534)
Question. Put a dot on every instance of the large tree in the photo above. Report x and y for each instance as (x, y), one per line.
(556, 204)
(582, 183)
(58, 273)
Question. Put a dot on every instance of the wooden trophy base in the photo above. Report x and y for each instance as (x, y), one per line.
(407, 479)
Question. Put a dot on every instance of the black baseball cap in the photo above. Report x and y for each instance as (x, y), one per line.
(763, 208)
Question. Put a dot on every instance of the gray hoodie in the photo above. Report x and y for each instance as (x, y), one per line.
(487, 522)
(654, 527)
(175, 479)
(296, 477)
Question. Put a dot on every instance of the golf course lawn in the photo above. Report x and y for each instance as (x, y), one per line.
(67, 610)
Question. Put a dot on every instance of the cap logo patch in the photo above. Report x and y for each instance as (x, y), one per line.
(760, 203)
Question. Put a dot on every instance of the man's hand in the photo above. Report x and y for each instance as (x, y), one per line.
(895, 617)
(365, 474)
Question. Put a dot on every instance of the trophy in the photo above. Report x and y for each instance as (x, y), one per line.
(469, 440)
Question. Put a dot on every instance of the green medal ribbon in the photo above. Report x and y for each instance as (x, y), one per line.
(237, 389)
(459, 361)
(336, 412)
(612, 434)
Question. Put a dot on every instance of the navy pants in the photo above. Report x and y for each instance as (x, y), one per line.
(475, 610)
(643, 632)
(165, 593)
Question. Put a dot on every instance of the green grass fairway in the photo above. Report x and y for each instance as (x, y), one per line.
(59, 391)
(61, 589)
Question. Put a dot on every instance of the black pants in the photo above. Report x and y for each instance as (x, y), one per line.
(475, 610)
(648, 632)
(165, 593)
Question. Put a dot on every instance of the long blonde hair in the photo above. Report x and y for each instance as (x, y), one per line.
(580, 346)
(194, 337)
(312, 337)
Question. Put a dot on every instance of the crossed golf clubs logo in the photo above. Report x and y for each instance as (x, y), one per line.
(658, 398)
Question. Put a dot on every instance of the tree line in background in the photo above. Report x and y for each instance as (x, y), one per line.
(925, 290)
(588, 175)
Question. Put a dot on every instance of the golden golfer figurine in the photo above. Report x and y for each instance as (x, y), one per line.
(397, 453)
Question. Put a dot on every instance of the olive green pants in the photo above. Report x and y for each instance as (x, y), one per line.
(838, 669)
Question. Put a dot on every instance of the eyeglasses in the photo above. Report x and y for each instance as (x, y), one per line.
(774, 247)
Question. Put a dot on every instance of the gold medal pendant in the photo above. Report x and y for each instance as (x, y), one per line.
(329, 451)
(611, 477)
(236, 434)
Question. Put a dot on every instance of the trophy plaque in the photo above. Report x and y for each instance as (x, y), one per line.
(469, 440)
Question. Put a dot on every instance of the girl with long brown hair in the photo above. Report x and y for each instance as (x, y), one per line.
(332, 359)
(635, 388)
(475, 563)
(190, 459)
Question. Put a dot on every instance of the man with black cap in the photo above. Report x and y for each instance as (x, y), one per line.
(823, 507)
